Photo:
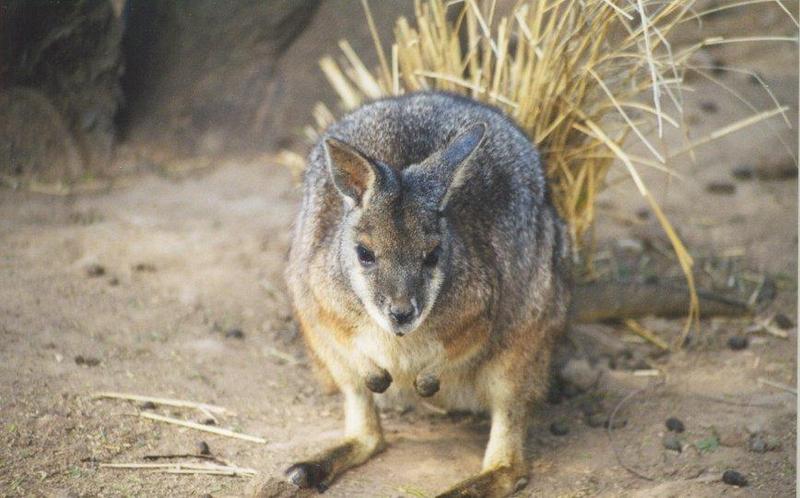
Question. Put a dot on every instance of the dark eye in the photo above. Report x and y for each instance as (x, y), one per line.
(365, 256)
(432, 257)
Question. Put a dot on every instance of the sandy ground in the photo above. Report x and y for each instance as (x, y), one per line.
(185, 263)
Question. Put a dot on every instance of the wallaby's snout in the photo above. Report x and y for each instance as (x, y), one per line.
(402, 312)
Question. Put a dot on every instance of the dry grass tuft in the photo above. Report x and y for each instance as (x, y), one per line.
(580, 78)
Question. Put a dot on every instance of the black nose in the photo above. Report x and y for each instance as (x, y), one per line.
(400, 315)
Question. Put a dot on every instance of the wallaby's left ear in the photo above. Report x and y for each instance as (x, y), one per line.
(455, 156)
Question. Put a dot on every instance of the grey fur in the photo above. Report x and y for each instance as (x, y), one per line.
(438, 228)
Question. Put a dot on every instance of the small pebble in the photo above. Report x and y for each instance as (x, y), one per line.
(643, 214)
(675, 425)
(88, 361)
(208, 421)
(95, 270)
(783, 321)
(203, 449)
(743, 173)
(559, 429)
(147, 405)
(734, 478)
(671, 442)
(721, 188)
(738, 342)
(234, 334)
(113, 281)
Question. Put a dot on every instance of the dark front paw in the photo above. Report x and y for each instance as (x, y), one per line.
(379, 382)
(306, 475)
(426, 385)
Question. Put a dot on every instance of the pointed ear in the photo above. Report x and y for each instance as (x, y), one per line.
(353, 174)
(455, 156)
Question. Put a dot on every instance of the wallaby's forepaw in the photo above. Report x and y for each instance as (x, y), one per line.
(379, 381)
(426, 385)
(306, 475)
(497, 483)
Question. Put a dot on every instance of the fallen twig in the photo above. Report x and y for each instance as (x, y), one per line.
(210, 458)
(610, 429)
(186, 468)
(777, 385)
(203, 407)
(200, 427)
(646, 334)
(767, 327)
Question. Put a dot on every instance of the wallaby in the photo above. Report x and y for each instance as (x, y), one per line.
(428, 261)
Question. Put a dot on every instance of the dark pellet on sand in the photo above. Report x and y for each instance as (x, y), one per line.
(743, 173)
(87, 361)
(721, 188)
(675, 425)
(202, 448)
(738, 342)
(234, 334)
(95, 270)
(734, 478)
(709, 107)
(671, 442)
(148, 405)
(596, 420)
(783, 321)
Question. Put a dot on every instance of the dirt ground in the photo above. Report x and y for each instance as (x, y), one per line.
(142, 289)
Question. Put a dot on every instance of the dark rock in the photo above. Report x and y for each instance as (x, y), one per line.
(734, 478)
(147, 405)
(113, 281)
(69, 53)
(671, 442)
(559, 429)
(721, 188)
(783, 321)
(738, 342)
(675, 425)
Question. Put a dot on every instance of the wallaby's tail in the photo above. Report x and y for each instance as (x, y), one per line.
(615, 300)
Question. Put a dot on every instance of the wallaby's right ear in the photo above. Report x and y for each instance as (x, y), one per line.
(354, 175)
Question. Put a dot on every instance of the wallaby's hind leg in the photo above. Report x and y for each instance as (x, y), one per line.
(505, 470)
(363, 439)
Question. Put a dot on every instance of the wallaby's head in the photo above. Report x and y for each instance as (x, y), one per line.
(395, 239)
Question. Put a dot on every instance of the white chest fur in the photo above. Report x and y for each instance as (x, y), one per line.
(403, 357)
